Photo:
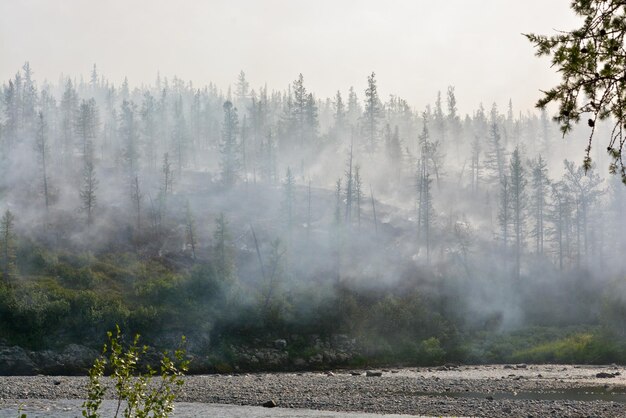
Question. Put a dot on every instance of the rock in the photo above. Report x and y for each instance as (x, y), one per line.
(299, 362)
(269, 404)
(316, 359)
(521, 366)
(78, 359)
(16, 361)
(371, 373)
(75, 359)
(355, 373)
(489, 398)
(603, 375)
(280, 344)
(329, 373)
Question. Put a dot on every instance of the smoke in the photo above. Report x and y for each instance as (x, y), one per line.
(425, 215)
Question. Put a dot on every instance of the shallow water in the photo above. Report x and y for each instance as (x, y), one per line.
(592, 393)
(70, 408)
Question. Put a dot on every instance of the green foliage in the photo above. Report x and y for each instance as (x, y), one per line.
(136, 391)
(581, 348)
(431, 352)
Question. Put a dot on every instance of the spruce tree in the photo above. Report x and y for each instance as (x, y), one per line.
(7, 247)
(518, 205)
(372, 114)
(229, 148)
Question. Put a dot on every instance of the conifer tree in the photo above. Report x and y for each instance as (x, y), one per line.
(354, 110)
(136, 198)
(242, 90)
(358, 192)
(149, 129)
(190, 230)
(538, 201)
(518, 205)
(7, 247)
(229, 146)
(180, 136)
(494, 159)
(129, 133)
(288, 199)
(89, 185)
(87, 123)
(339, 114)
(69, 109)
(372, 114)
(349, 192)
(42, 148)
(224, 259)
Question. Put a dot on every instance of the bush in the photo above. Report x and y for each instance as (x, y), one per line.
(141, 396)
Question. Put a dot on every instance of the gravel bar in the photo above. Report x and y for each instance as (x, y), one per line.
(483, 391)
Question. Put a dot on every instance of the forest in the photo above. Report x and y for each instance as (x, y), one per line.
(240, 216)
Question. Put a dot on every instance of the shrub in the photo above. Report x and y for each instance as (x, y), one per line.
(142, 396)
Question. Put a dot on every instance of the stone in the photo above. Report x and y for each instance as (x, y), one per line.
(371, 373)
(269, 404)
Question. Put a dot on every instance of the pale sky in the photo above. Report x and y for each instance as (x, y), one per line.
(416, 47)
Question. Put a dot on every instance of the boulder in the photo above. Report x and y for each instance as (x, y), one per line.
(16, 361)
(78, 359)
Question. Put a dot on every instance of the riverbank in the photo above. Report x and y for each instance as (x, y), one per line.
(489, 391)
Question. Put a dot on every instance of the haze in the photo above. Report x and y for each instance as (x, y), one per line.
(415, 47)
